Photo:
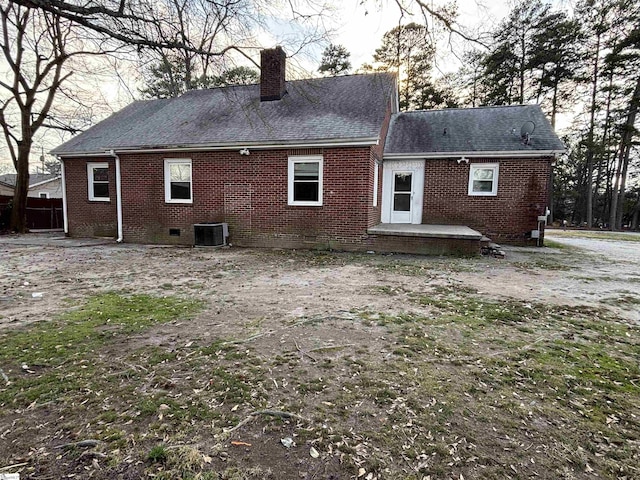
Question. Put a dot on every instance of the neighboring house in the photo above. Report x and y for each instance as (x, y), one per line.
(41, 185)
(318, 163)
(6, 189)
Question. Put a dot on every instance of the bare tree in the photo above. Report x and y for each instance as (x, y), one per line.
(34, 45)
(438, 15)
(206, 28)
(40, 37)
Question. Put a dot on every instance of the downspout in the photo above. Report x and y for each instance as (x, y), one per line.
(65, 218)
(118, 195)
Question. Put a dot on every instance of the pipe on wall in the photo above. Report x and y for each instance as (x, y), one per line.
(65, 217)
(118, 195)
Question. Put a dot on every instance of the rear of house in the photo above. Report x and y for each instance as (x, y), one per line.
(319, 163)
(287, 164)
(486, 168)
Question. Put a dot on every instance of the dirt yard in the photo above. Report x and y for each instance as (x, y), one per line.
(123, 362)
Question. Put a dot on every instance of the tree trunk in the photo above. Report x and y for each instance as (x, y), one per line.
(606, 134)
(19, 209)
(554, 104)
(592, 122)
(615, 217)
(523, 59)
(636, 214)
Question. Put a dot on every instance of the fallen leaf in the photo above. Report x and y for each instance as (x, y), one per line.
(240, 444)
(287, 442)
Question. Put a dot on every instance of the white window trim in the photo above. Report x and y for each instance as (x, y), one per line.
(46, 194)
(90, 182)
(494, 190)
(167, 180)
(306, 159)
(376, 179)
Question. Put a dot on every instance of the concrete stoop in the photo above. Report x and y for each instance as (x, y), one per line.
(425, 239)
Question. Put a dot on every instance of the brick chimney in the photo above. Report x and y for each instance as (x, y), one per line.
(272, 74)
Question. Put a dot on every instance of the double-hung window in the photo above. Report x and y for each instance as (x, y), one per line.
(98, 177)
(483, 179)
(305, 181)
(177, 181)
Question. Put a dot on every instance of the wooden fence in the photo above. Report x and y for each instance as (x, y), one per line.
(42, 213)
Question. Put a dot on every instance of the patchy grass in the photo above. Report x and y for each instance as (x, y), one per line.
(628, 299)
(560, 246)
(102, 318)
(450, 384)
(597, 235)
(545, 263)
(51, 358)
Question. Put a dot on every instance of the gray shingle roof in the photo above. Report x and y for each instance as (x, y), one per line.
(485, 129)
(10, 178)
(315, 110)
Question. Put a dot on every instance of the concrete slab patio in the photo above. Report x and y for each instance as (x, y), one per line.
(56, 238)
(432, 231)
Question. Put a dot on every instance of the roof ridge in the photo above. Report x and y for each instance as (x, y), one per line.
(222, 87)
(466, 109)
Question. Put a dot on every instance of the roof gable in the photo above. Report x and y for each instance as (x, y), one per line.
(315, 110)
(470, 130)
(9, 179)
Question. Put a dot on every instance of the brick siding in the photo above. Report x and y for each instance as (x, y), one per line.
(508, 217)
(248, 192)
(272, 74)
(89, 218)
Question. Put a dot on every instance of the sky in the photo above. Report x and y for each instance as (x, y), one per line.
(359, 28)
(362, 32)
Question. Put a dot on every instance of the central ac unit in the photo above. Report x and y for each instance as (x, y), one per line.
(211, 234)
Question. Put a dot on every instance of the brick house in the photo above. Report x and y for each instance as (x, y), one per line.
(318, 163)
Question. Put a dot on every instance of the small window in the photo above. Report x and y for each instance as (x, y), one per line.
(43, 195)
(305, 181)
(177, 181)
(483, 179)
(98, 176)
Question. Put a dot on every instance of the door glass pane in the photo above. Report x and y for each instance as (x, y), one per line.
(402, 182)
(402, 202)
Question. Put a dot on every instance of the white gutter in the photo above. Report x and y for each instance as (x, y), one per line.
(92, 154)
(65, 217)
(118, 195)
(493, 154)
(363, 142)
